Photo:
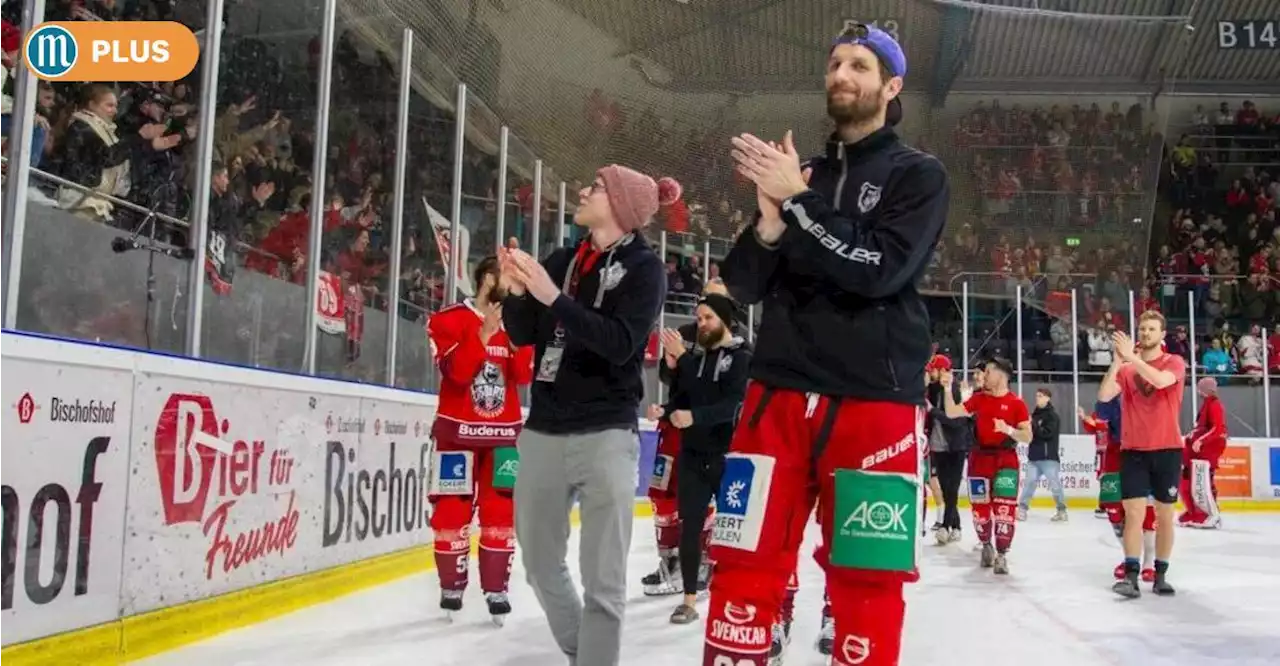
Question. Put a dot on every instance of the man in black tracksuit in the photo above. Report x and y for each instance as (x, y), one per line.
(707, 385)
(835, 409)
(949, 443)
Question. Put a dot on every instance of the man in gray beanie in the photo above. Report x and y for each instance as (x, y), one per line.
(588, 311)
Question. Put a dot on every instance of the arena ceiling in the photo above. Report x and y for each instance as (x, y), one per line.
(780, 45)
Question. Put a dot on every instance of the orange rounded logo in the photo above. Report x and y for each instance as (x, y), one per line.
(111, 51)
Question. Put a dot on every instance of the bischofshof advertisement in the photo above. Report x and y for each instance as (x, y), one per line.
(66, 453)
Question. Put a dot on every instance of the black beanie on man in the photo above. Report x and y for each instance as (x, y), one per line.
(722, 306)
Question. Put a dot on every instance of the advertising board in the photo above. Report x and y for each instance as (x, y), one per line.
(66, 452)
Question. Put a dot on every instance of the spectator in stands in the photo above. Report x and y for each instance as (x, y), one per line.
(1216, 361)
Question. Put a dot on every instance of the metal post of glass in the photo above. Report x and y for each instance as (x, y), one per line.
(964, 330)
(1075, 355)
(706, 260)
(560, 211)
(210, 54)
(319, 162)
(397, 201)
(751, 324)
(21, 129)
(1017, 322)
(662, 318)
(1266, 388)
(536, 238)
(1133, 319)
(455, 209)
(500, 226)
(1191, 325)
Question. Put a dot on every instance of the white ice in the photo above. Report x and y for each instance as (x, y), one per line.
(1055, 609)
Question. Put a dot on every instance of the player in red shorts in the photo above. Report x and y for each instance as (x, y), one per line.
(1149, 383)
(475, 430)
(1104, 425)
(1002, 421)
(1203, 447)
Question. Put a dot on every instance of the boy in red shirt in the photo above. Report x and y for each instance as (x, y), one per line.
(1149, 383)
(1002, 421)
(477, 422)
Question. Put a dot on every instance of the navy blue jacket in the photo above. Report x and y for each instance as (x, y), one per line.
(841, 315)
(599, 385)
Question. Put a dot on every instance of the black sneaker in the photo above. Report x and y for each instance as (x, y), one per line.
(1162, 587)
(1127, 588)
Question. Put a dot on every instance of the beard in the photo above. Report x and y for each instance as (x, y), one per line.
(1146, 346)
(858, 110)
(708, 339)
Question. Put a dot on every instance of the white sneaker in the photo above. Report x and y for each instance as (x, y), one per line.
(1022, 514)
(1059, 517)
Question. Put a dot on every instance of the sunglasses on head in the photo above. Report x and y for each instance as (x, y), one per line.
(855, 31)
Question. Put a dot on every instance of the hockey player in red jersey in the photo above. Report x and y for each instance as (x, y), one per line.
(475, 431)
(1202, 449)
(1104, 425)
(1002, 420)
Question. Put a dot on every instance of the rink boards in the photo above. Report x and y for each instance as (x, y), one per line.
(151, 500)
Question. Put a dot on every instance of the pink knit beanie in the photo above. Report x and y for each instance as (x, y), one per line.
(635, 197)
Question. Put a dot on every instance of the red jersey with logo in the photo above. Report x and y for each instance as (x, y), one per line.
(1101, 431)
(1150, 420)
(479, 404)
(1210, 431)
(986, 408)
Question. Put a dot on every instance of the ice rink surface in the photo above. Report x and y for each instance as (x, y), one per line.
(1054, 609)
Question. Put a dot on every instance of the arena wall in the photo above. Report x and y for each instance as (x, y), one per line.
(151, 501)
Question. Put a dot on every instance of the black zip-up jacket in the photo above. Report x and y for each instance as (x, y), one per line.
(599, 384)
(959, 432)
(1045, 426)
(842, 316)
(689, 333)
(711, 384)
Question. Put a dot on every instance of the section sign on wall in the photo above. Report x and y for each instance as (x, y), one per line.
(66, 449)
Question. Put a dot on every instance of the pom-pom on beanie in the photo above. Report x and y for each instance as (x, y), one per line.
(635, 197)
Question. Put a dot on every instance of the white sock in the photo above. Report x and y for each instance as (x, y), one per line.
(937, 513)
(1148, 550)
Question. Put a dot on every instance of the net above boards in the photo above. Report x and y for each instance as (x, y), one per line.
(1035, 111)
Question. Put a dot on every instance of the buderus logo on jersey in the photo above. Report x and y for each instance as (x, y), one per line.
(740, 505)
(451, 474)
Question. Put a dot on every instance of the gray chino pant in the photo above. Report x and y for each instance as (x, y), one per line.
(599, 470)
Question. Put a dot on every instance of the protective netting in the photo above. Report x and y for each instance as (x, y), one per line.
(1013, 97)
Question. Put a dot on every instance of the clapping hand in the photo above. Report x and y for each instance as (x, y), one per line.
(509, 279)
(774, 169)
(533, 276)
(655, 412)
(681, 418)
(673, 343)
(1122, 345)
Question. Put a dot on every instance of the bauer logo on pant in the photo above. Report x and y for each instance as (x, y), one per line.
(740, 505)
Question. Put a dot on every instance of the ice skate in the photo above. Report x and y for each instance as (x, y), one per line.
(1000, 566)
(781, 639)
(499, 607)
(450, 602)
(988, 556)
(1059, 517)
(704, 578)
(827, 635)
(1100, 513)
(665, 581)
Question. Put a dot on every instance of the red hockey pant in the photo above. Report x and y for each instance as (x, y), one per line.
(808, 437)
(662, 494)
(988, 508)
(451, 519)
